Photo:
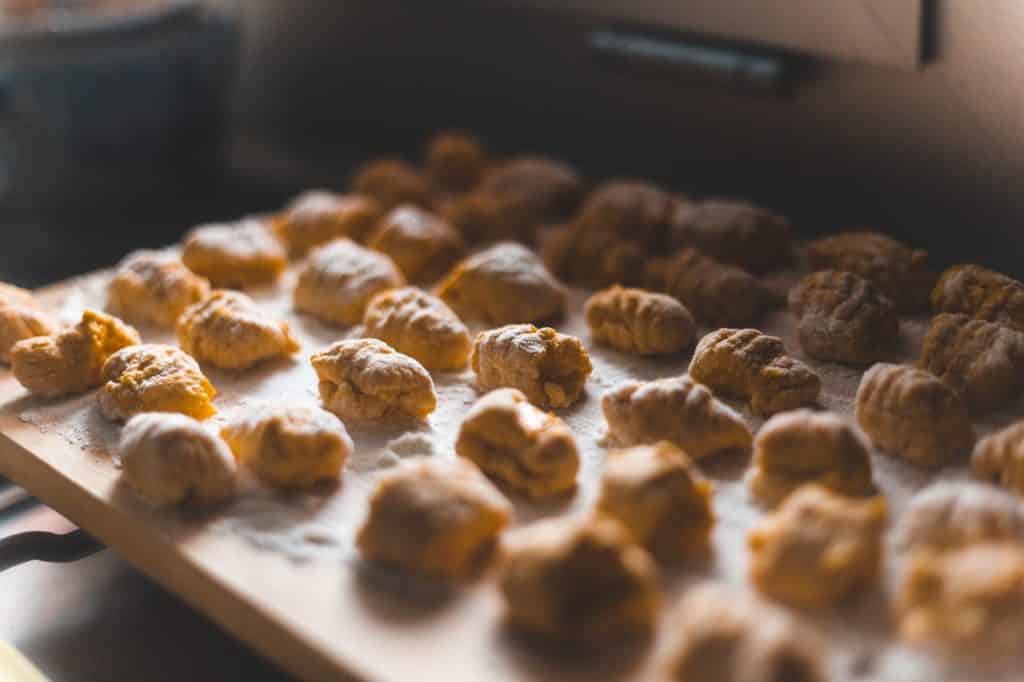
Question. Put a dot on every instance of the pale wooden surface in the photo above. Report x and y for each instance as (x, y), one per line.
(325, 616)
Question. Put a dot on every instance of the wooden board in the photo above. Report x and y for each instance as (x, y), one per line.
(281, 574)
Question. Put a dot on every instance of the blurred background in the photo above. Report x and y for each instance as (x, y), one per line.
(124, 123)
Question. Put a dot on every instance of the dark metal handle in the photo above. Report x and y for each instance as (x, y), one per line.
(50, 547)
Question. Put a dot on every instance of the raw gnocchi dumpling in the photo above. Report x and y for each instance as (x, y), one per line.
(548, 367)
(317, 217)
(435, 519)
(170, 459)
(20, 318)
(818, 547)
(228, 330)
(735, 232)
(519, 445)
(368, 379)
(504, 284)
(289, 446)
(154, 287)
(980, 293)
(70, 361)
(340, 278)
(675, 409)
(638, 321)
(420, 325)
(456, 161)
(748, 364)
(660, 497)
(423, 245)
(951, 515)
(236, 255)
(154, 378)
(391, 182)
(999, 457)
(580, 581)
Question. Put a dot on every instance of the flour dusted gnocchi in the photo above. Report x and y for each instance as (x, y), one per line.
(518, 445)
(638, 321)
(154, 378)
(719, 634)
(580, 581)
(169, 459)
(660, 497)
(154, 287)
(714, 292)
(843, 317)
(423, 246)
(236, 255)
(999, 457)
(548, 367)
(456, 161)
(983, 361)
(951, 515)
(505, 284)
(368, 379)
(340, 278)
(913, 414)
(391, 182)
(675, 409)
(901, 272)
(969, 601)
(748, 364)
(70, 361)
(736, 232)
(420, 325)
(800, 447)
(435, 519)
(289, 446)
(20, 318)
(316, 217)
(818, 547)
(980, 293)
(228, 330)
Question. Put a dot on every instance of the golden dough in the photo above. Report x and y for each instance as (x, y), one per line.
(368, 379)
(20, 318)
(800, 447)
(548, 367)
(391, 182)
(999, 458)
(638, 321)
(420, 325)
(289, 446)
(982, 361)
(154, 378)
(456, 161)
(675, 409)
(745, 363)
(910, 413)
(818, 547)
(70, 361)
(735, 232)
(715, 293)
(620, 222)
(843, 317)
(899, 271)
(515, 198)
(316, 217)
(980, 293)
(234, 256)
(436, 519)
(154, 287)
(951, 515)
(228, 330)
(340, 278)
(505, 284)
(422, 245)
(719, 634)
(580, 581)
(969, 601)
(660, 497)
(519, 446)
(169, 460)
